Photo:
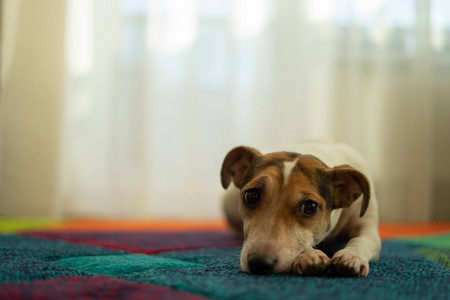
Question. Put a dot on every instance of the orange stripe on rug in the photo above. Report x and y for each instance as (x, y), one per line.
(120, 226)
(387, 229)
(395, 230)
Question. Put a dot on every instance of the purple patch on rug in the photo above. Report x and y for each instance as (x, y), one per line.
(147, 242)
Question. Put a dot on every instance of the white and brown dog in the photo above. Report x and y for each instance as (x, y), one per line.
(288, 205)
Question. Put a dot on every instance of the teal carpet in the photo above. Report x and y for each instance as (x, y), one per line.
(198, 265)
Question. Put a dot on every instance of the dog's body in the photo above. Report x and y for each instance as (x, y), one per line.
(287, 204)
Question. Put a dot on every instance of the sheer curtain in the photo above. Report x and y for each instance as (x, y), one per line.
(157, 92)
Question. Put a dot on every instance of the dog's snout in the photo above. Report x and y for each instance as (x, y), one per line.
(261, 264)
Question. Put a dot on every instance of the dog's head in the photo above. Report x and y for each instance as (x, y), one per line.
(286, 201)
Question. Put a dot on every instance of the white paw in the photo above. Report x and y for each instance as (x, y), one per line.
(311, 263)
(347, 264)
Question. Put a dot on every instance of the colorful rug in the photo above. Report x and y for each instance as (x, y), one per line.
(199, 260)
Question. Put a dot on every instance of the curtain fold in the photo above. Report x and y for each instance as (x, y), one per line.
(32, 72)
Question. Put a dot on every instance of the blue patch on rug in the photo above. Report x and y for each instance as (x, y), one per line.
(16, 268)
(48, 250)
(26, 259)
(117, 265)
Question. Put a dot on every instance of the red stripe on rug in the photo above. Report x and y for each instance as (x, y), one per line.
(98, 287)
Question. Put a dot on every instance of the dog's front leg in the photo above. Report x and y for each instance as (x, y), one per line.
(311, 262)
(353, 260)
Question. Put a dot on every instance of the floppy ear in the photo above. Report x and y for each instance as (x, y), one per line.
(236, 164)
(347, 185)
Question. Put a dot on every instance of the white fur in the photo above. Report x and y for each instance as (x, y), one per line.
(288, 167)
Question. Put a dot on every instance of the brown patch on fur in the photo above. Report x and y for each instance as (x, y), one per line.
(270, 160)
(236, 164)
(299, 189)
(348, 185)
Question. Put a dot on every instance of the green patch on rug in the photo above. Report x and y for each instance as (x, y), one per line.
(116, 265)
(435, 241)
(440, 256)
(11, 225)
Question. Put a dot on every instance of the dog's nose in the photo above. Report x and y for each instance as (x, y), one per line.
(261, 264)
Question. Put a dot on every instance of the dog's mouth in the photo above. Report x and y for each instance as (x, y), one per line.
(268, 257)
(270, 254)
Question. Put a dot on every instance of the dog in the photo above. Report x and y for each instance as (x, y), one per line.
(302, 213)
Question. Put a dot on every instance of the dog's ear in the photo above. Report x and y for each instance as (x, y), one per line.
(236, 164)
(347, 185)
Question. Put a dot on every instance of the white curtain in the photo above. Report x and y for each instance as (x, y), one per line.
(157, 92)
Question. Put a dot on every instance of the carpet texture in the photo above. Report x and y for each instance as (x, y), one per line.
(48, 262)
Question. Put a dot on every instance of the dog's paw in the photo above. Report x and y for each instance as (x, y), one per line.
(348, 264)
(311, 263)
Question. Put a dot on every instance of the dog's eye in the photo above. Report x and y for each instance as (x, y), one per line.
(309, 207)
(252, 197)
